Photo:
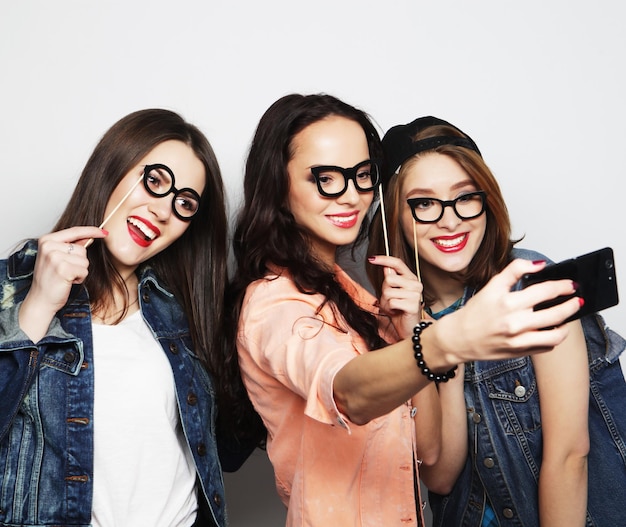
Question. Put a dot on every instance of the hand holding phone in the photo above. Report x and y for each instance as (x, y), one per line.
(593, 272)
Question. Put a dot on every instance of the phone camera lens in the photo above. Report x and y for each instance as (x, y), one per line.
(608, 264)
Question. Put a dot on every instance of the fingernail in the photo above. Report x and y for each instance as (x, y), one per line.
(575, 285)
(538, 262)
(106, 233)
(581, 301)
(371, 258)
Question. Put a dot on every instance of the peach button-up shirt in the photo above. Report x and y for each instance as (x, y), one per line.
(329, 472)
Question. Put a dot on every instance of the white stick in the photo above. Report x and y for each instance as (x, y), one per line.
(417, 265)
(384, 218)
(90, 240)
(417, 260)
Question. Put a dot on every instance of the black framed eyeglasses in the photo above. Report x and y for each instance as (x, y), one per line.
(466, 207)
(159, 181)
(333, 181)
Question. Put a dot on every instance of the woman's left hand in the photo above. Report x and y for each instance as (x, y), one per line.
(401, 294)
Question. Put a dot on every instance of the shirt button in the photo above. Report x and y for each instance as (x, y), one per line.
(520, 391)
(476, 418)
(507, 513)
(192, 399)
(413, 412)
(488, 462)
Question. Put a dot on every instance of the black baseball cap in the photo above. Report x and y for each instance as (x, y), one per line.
(398, 143)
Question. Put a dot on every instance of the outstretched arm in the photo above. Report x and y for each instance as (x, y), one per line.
(497, 323)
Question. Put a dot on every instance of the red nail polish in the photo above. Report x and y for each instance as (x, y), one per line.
(106, 233)
(581, 301)
(575, 285)
(538, 262)
(371, 258)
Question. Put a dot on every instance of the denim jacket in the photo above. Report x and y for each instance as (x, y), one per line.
(47, 399)
(505, 438)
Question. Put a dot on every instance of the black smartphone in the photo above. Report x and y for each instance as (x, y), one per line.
(595, 274)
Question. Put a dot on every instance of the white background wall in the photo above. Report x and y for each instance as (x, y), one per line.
(540, 86)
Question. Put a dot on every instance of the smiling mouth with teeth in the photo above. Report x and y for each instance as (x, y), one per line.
(450, 242)
(148, 233)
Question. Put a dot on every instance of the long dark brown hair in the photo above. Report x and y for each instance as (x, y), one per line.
(194, 266)
(266, 232)
(495, 249)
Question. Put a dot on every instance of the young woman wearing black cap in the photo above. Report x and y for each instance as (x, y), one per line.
(515, 433)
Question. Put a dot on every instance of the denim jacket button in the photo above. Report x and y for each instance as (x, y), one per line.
(69, 356)
(476, 418)
(217, 499)
(520, 391)
(192, 399)
(174, 348)
(201, 449)
(507, 513)
(488, 462)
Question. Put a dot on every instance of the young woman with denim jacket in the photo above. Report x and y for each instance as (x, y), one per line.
(107, 411)
(342, 434)
(526, 441)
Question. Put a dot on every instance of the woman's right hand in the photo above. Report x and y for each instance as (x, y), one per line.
(61, 262)
(499, 323)
(401, 294)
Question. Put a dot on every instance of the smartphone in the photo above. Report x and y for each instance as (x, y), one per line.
(595, 274)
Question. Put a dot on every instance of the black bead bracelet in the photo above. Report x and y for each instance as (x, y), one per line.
(419, 357)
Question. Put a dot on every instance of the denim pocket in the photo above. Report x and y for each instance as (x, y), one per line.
(512, 389)
(66, 358)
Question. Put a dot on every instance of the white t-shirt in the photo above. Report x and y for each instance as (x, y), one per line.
(144, 474)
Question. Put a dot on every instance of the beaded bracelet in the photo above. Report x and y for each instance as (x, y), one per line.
(419, 357)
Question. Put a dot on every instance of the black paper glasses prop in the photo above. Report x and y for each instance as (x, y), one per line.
(332, 182)
(158, 180)
(430, 210)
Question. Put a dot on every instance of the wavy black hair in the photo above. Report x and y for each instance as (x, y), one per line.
(266, 232)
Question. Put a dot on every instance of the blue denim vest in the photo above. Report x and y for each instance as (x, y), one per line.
(46, 402)
(505, 439)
